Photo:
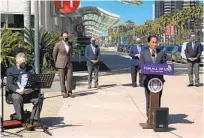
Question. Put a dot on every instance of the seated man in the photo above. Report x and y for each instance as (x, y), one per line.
(17, 78)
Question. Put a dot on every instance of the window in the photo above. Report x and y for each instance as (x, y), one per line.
(15, 21)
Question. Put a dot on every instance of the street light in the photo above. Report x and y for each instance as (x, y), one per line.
(36, 52)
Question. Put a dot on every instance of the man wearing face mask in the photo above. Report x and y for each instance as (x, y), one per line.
(134, 52)
(17, 77)
(92, 53)
(193, 52)
(62, 54)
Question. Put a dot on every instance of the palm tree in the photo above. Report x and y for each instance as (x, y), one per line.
(47, 40)
(11, 44)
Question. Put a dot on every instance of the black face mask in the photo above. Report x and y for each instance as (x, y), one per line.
(66, 39)
(93, 42)
(22, 66)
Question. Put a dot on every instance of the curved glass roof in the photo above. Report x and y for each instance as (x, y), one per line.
(96, 20)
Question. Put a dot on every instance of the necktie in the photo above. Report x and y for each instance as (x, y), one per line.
(153, 56)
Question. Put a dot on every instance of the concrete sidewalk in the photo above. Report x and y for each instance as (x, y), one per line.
(116, 110)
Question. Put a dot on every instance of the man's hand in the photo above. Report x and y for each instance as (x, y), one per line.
(190, 59)
(193, 59)
(94, 61)
(20, 91)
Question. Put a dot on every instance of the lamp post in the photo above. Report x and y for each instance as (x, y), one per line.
(37, 55)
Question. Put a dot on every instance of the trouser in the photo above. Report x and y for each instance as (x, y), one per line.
(66, 74)
(193, 67)
(19, 100)
(93, 68)
(134, 70)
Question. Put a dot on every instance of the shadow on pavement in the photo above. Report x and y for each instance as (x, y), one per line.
(108, 86)
(83, 94)
(129, 84)
(179, 118)
(56, 122)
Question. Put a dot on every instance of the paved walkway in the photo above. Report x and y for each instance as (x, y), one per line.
(115, 110)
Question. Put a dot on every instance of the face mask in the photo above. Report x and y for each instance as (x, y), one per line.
(22, 66)
(66, 39)
(93, 42)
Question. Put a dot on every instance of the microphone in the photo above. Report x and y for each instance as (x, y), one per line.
(153, 54)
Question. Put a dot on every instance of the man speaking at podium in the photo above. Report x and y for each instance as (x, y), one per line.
(152, 55)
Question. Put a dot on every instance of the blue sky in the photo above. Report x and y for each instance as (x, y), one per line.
(138, 14)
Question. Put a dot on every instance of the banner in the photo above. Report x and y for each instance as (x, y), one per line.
(158, 69)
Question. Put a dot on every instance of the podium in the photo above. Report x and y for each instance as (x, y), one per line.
(154, 83)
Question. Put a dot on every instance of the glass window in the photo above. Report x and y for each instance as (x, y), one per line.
(15, 21)
(3, 20)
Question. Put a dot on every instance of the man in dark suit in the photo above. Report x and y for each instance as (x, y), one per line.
(134, 52)
(92, 53)
(17, 78)
(193, 52)
(152, 55)
(62, 54)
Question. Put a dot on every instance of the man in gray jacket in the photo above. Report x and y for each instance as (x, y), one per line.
(92, 53)
(193, 52)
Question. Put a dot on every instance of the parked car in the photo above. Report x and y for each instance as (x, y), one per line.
(168, 50)
(119, 48)
(126, 48)
(176, 54)
(161, 47)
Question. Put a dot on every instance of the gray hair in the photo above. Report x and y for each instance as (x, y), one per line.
(21, 57)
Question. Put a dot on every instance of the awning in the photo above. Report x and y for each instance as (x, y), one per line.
(96, 20)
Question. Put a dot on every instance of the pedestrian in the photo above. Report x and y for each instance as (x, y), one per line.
(134, 52)
(193, 52)
(92, 53)
(62, 54)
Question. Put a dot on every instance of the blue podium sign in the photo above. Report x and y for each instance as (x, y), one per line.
(158, 69)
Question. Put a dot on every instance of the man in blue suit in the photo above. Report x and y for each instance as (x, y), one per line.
(134, 52)
(92, 53)
(193, 52)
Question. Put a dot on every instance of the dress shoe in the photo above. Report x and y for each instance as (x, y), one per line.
(64, 95)
(38, 124)
(70, 94)
(89, 86)
(190, 85)
(197, 85)
(96, 86)
(28, 126)
(134, 85)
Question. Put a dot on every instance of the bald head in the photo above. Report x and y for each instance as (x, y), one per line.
(138, 40)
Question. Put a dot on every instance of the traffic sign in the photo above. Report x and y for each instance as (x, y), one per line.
(80, 28)
(68, 6)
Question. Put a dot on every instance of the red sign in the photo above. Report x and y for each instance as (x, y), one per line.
(68, 6)
(169, 30)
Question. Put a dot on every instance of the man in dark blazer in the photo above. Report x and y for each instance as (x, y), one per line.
(134, 52)
(17, 78)
(62, 54)
(92, 53)
(152, 55)
(193, 52)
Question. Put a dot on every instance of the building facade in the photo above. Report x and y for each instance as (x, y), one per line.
(12, 15)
